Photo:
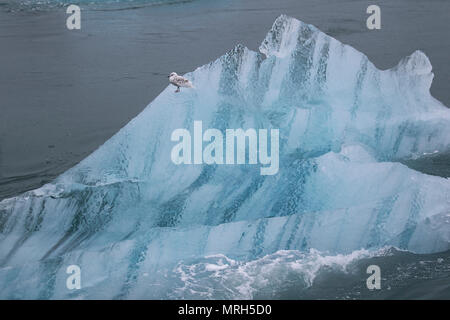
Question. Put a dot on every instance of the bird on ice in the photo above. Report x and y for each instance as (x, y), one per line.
(179, 81)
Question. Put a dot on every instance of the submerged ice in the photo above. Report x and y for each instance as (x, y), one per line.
(128, 216)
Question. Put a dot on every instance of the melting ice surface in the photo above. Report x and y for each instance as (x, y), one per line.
(140, 226)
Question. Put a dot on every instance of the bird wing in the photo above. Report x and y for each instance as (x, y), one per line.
(182, 82)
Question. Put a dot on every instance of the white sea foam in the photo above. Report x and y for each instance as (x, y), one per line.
(221, 277)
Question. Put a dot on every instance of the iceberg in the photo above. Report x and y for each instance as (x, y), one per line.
(131, 218)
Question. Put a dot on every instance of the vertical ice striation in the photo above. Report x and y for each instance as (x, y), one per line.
(126, 214)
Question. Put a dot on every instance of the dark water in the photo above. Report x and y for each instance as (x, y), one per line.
(434, 164)
(404, 275)
(63, 93)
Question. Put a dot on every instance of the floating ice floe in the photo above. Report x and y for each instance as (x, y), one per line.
(127, 212)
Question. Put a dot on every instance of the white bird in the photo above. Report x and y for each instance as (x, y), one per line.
(179, 81)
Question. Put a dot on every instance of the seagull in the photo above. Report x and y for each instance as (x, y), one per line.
(179, 81)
